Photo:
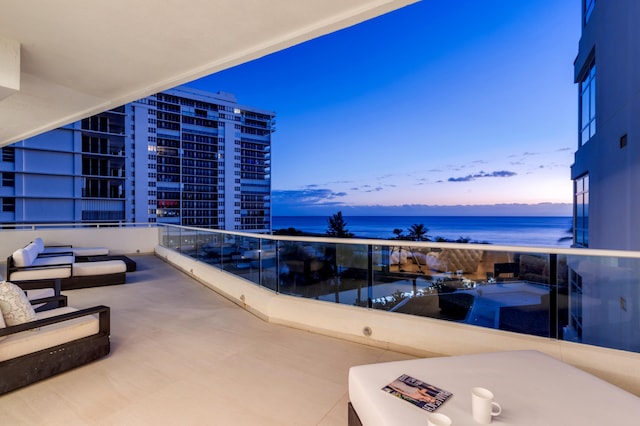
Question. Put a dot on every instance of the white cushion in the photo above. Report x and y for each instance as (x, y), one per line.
(14, 304)
(104, 267)
(78, 251)
(25, 256)
(21, 258)
(32, 249)
(53, 260)
(40, 244)
(48, 336)
(42, 274)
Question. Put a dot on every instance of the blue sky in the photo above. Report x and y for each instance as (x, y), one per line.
(433, 108)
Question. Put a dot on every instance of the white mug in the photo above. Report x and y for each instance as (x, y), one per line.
(482, 405)
(438, 419)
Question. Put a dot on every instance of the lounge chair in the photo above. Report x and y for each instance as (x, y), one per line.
(48, 342)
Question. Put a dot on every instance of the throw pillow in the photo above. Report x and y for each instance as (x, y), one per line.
(14, 304)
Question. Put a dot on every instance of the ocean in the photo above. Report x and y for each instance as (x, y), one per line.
(536, 231)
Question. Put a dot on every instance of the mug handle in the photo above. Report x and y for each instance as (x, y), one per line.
(496, 406)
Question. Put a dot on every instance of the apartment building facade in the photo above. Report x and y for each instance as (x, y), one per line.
(606, 175)
(606, 171)
(182, 156)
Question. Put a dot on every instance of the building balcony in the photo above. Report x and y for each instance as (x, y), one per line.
(210, 315)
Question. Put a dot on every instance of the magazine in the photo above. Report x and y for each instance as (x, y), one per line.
(417, 392)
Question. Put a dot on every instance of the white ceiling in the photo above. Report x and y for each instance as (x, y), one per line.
(81, 57)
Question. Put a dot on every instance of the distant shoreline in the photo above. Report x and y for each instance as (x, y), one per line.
(502, 230)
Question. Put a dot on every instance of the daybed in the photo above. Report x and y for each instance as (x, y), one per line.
(27, 264)
(35, 346)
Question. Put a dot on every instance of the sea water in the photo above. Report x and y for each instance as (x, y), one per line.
(538, 231)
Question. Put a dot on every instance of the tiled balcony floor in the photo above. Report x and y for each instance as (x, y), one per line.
(184, 355)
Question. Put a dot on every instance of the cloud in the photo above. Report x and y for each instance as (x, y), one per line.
(371, 188)
(469, 178)
(309, 196)
(377, 189)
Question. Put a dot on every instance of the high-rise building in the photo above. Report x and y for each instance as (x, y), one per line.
(606, 171)
(181, 156)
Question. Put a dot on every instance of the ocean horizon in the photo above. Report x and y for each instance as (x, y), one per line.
(536, 231)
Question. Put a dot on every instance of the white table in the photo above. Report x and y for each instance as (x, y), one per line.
(533, 389)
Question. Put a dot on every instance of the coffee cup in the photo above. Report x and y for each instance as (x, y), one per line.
(482, 405)
(438, 419)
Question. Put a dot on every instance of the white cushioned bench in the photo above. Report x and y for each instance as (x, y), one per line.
(56, 341)
(26, 264)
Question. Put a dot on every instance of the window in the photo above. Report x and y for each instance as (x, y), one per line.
(8, 154)
(588, 105)
(587, 9)
(9, 179)
(581, 211)
(8, 204)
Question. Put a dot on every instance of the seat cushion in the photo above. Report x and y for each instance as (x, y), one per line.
(78, 251)
(84, 269)
(41, 274)
(14, 304)
(48, 336)
(53, 260)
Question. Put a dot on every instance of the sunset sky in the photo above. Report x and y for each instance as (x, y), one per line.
(442, 103)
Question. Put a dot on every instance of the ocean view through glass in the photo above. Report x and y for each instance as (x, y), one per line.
(536, 231)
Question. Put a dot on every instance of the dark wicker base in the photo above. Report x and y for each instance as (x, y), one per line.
(92, 281)
(28, 369)
(131, 264)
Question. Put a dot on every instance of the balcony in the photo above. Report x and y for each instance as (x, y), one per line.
(181, 351)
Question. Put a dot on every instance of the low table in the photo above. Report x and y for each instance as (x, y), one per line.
(131, 264)
(533, 389)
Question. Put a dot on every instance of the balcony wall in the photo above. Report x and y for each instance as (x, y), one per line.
(119, 240)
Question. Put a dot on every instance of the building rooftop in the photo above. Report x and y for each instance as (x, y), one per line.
(183, 354)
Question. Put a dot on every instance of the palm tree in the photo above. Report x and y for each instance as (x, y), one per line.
(418, 232)
(338, 227)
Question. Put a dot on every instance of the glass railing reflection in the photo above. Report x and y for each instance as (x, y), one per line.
(577, 297)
